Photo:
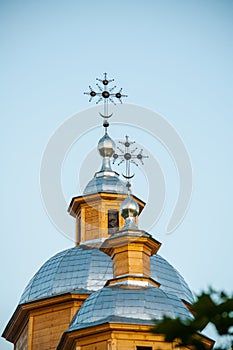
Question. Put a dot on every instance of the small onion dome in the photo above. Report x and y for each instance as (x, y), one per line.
(129, 208)
(106, 146)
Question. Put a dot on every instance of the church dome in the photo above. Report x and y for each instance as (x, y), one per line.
(107, 181)
(76, 270)
(123, 305)
(84, 270)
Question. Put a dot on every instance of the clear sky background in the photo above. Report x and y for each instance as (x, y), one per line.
(174, 57)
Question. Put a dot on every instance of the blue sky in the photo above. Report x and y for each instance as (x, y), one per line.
(174, 57)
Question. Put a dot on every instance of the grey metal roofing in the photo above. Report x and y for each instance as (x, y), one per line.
(73, 270)
(83, 270)
(170, 279)
(125, 305)
(105, 183)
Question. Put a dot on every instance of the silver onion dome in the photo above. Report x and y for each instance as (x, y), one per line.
(129, 210)
(106, 180)
(83, 270)
(128, 305)
(106, 146)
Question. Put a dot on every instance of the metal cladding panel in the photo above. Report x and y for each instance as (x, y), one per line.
(130, 305)
(80, 269)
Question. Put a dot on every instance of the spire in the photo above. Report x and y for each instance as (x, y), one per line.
(105, 180)
(105, 93)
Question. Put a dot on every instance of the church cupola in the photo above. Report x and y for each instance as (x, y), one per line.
(97, 211)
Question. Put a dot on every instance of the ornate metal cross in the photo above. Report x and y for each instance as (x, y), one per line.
(106, 94)
(128, 156)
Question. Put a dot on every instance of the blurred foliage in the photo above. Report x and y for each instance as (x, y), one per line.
(211, 307)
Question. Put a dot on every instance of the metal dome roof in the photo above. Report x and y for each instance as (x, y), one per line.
(77, 270)
(84, 270)
(125, 305)
(105, 181)
(170, 279)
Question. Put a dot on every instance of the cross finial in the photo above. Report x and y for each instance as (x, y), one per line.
(105, 93)
(128, 156)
